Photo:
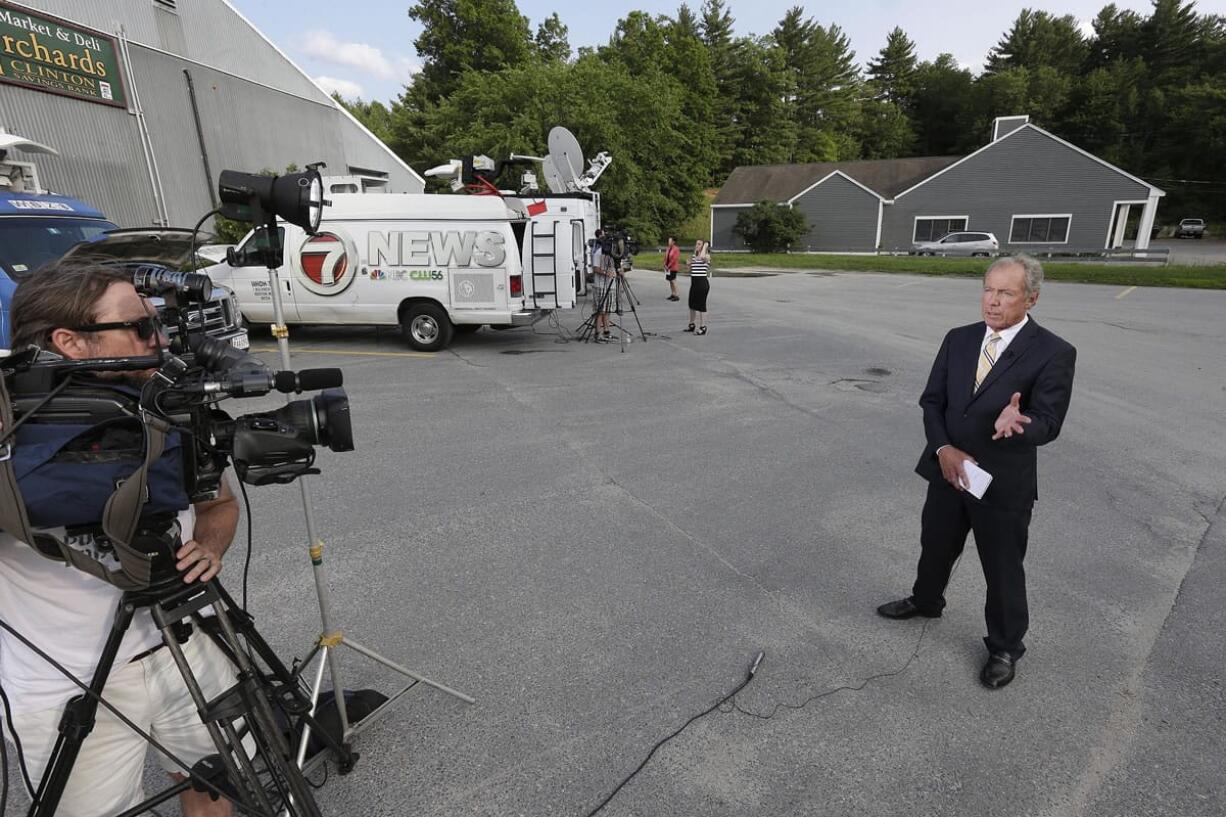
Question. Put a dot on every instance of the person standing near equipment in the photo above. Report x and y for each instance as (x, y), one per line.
(700, 286)
(672, 260)
(80, 313)
(998, 390)
(602, 280)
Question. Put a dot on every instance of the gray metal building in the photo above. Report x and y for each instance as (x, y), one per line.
(146, 102)
(1033, 190)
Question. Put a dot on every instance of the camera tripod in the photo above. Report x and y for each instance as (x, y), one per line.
(253, 766)
(608, 299)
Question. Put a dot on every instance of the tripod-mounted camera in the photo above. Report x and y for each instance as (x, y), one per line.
(135, 456)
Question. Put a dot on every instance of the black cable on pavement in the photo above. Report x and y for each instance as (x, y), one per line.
(748, 677)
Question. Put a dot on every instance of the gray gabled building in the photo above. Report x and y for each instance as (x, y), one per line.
(146, 101)
(1033, 190)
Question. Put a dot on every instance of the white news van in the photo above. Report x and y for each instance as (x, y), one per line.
(432, 264)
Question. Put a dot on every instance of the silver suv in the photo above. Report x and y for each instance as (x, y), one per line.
(1191, 228)
(964, 243)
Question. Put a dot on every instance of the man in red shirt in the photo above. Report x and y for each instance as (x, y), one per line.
(672, 260)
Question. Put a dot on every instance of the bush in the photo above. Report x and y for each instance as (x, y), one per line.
(770, 227)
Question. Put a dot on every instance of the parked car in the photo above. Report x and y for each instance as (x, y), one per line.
(967, 243)
(1191, 228)
(219, 317)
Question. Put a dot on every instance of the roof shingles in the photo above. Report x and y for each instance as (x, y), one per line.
(887, 177)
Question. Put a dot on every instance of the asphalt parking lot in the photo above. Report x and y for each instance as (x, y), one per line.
(1197, 252)
(595, 543)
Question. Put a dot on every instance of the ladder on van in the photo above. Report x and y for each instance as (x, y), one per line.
(537, 242)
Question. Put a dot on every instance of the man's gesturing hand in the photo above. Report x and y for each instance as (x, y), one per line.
(204, 563)
(952, 468)
(1011, 420)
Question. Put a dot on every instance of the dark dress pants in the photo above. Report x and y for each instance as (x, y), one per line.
(1000, 537)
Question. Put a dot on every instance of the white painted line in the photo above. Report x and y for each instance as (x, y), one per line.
(1125, 292)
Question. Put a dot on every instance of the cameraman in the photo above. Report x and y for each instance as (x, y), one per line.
(80, 312)
(602, 284)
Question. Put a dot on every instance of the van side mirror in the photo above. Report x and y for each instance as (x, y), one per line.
(232, 257)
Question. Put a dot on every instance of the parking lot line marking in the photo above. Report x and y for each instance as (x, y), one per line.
(1125, 292)
(309, 351)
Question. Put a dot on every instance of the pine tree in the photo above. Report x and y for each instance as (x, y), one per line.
(893, 71)
(550, 41)
(1039, 39)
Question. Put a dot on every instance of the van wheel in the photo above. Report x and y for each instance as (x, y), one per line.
(467, 328)
(426, 327)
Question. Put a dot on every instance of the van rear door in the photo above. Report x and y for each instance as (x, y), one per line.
(549, 279)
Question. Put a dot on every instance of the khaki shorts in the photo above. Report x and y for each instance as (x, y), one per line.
(106, 779)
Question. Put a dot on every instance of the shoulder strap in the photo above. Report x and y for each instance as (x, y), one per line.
(119, 519)
(121, 515)
(13, 517)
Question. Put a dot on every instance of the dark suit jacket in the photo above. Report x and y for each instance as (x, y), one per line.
(1036, 363)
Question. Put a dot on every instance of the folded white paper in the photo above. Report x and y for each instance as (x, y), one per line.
(978, 479)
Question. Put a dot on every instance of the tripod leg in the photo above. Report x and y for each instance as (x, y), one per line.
(221, 730)
(286, 776)
(78, 720)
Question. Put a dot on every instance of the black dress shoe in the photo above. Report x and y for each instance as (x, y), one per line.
(905, 608)
(999, 670)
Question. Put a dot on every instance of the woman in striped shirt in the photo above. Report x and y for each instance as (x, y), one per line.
(700, 271)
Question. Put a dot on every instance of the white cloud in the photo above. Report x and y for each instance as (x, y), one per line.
(347, 89)
(323, 46)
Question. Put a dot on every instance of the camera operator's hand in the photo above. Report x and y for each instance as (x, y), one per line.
(216, 521)
(198, 562)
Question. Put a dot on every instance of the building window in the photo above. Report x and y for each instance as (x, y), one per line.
(934, 228)
(1040, 229)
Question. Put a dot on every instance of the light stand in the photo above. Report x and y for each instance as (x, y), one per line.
(261, 207)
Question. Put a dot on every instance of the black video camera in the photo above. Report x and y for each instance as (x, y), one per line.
(617, 244)
(184, 390)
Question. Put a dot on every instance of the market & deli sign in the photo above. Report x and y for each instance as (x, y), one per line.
(48, 54)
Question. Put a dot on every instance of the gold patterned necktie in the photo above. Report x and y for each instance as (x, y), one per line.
(987, 359)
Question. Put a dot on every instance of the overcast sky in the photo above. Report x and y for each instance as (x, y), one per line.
(364, 48)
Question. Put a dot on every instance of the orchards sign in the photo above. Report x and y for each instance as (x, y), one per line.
(48, 54)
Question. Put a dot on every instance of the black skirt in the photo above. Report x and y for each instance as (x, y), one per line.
(699, 287)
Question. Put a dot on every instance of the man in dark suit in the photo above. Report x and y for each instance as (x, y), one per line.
(998, 390)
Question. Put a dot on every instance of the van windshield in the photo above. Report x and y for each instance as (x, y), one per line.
(28, 243)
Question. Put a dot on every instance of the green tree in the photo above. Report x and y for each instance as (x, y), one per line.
(374, 115)
(715, 27)
(1039, 39)
(654, 181)
(884, 130)
(766, 134)
(550, 41)
(1118, 35)
(892, 72)
(466, 35)
(686, 23)
(941, 104)
(770, 227)
(827, 101)
(821, 88)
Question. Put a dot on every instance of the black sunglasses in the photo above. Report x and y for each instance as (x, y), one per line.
(146, 328)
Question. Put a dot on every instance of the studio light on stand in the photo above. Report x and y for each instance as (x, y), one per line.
(297, 198)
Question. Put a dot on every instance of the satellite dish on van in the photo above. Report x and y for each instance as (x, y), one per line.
(11, 141)
(566, 157)
(553, 178)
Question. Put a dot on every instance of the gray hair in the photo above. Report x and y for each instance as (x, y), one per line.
(1029, 265)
